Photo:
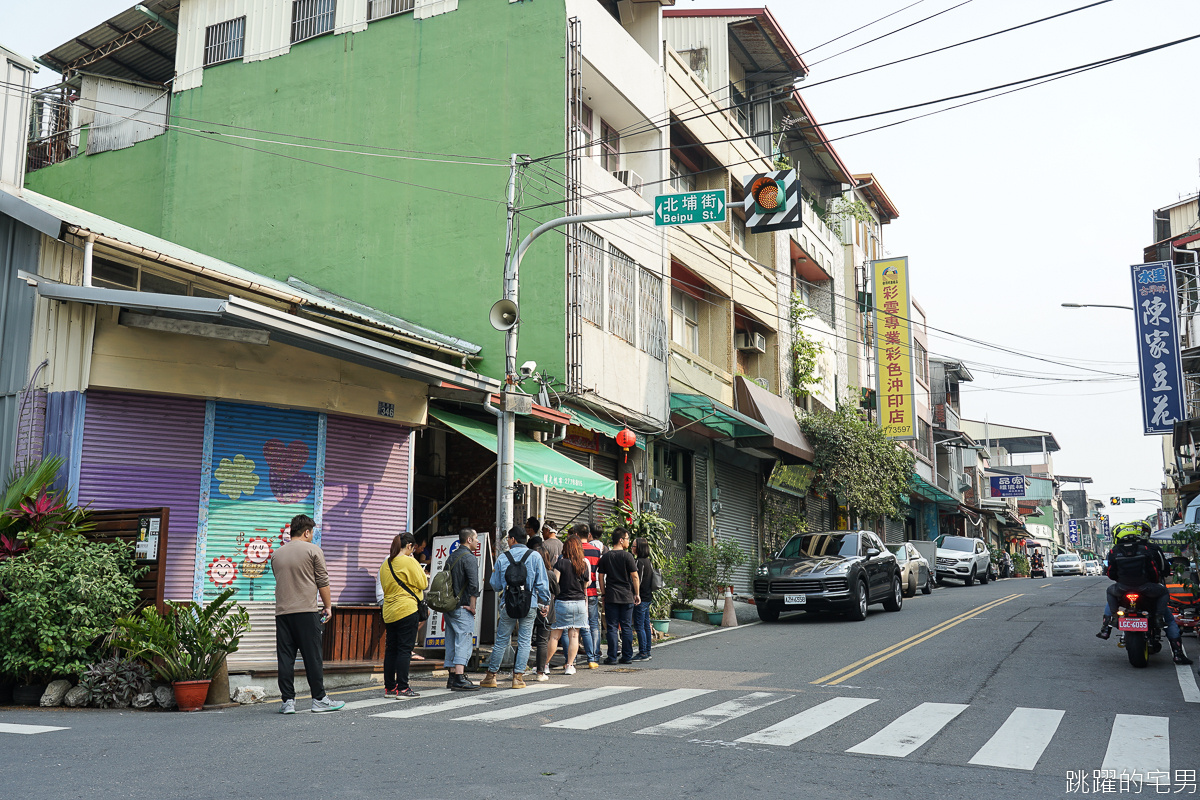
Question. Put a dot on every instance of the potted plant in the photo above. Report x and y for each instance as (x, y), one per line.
(678, 577)
(703, 573)
(187, 645)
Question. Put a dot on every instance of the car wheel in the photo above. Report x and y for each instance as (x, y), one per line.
(858, 611)
(912, 586)
(983, 578)
(895, 600)
(970, 579)
(928, 587)
(767, 611)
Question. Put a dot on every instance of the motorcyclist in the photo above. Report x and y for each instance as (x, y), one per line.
(1137, 565)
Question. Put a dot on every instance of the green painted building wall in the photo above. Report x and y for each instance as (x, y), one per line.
(485, 80)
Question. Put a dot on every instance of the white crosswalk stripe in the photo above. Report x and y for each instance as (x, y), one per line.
(13, 727)
(806, 723)
(1021, 740)
(612, 714)
(1139, 745)
(910, 731)
(382, 701)
(548, 704)
(466, 701)
(714, 716)
(1187, 682)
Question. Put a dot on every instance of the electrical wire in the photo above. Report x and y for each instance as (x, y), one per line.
(889, 33)
(862, 27)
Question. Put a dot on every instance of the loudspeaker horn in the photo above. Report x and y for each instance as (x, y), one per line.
(504, 315)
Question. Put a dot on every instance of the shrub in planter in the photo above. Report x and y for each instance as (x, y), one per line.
(186, 643)
(58, 600)
(114, 682)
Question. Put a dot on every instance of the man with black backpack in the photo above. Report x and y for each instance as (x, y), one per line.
(522, 590)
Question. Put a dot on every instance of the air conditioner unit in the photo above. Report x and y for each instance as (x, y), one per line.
(630, 179)
(751, 342)
(964, 484)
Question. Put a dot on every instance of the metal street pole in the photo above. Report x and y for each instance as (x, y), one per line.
(1095, 305)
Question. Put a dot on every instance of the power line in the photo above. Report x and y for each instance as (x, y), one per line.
(862, 27)
(889, 33)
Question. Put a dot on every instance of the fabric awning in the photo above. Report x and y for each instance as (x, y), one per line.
(922, 487)
(582, 419)
(534, 462)
(717, 416)
(776, 413)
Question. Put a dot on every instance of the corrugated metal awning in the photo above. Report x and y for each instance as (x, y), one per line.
(131, 45)
(776, 414)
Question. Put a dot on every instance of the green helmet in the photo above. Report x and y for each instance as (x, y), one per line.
(1136, 529)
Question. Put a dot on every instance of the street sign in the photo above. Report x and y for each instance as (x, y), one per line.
(1073, 537)
(1008, 485)
(1073, 531)
(690, 208)
(1126, 500)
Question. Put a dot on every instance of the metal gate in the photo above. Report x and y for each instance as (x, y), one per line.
(146, 451)
(738, 520)
(893, 530)
(674, 510)
(817, 510)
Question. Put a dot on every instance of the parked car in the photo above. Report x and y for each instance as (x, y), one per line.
(1068, 564)
(829, 571)
(1091, 567)
(914, 569)
(964, 558)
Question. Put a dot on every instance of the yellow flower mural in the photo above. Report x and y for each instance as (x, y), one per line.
(237, 477)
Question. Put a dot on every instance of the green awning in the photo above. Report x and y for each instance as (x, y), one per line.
(582, 419)
(534, 462)
(708, 412)
(927, 490)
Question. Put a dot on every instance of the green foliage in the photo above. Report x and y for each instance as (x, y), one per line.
(804, 350)
(1190, 549)
(1020, 565)
(113, 682)
(186, 643)
(657, 533)
(779, 523)
(841, 211)
(857, 463)
(31, 513)
(711, 567)
(56, 602)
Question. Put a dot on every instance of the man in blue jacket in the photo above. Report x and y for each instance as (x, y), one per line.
(522, 592)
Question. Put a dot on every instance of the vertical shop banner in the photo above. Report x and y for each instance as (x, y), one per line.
(443, 548)
(1160, 370)
(893, 349)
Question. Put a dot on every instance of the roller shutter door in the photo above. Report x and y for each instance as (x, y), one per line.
(701, 518)
(893, 530)
(675, 510)
(146, 451)
(738, 520)
(817, 509)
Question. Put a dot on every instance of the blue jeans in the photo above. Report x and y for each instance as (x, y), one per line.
(504, 629)
(460, 630)
(641, 625)
(619, 614)
(589, 637)
(1163, 609)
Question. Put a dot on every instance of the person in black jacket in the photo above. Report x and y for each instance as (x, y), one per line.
(1137, 565)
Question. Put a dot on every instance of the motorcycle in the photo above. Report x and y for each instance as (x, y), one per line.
(1139, 628)
(1184, 601)
(1037, 566)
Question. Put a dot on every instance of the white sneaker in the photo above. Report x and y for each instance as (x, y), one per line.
(288, 707)
(327, 704)
(569, 669)
(542, 677)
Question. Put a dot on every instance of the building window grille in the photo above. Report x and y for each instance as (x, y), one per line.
(311, 18)
(622, 272)
(583, 130)
(377, 9)
(741, 107)
(651, 322)
(685, 325)
(591, 276)
(921, 357)
(924, 435)
(225, 41)
(610, 147)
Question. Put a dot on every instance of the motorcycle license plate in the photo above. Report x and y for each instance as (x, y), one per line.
(794, 599)
(1133, 624)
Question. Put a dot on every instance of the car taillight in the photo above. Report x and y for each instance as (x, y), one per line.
(1132, 598)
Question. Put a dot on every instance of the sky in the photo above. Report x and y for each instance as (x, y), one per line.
(1008, 207)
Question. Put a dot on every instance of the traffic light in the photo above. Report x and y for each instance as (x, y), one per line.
(773, 201)
(1114, 501)
(769, 196)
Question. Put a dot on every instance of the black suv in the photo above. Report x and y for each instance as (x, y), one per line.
(829, 571)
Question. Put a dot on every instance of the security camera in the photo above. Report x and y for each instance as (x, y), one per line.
(528, 368)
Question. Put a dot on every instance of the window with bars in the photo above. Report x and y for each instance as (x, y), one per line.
(377, 9)
(610, 147)
(591, 276)
(311, 18)
(682, 179)
(652, 324)
(622, 274)
(921, 361)
(224, 41)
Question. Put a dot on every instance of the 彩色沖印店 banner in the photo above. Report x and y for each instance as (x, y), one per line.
(1160, 371)
(893, 349)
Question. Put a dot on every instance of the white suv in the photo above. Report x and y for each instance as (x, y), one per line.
(962, 558)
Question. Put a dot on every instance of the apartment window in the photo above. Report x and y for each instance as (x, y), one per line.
(622, 272)
(610, 147)
(311, 18)
(682, 179)
(377, 9)
(651, 323)
(115, 275)
(737, 227)
(740, 107)
(685, 316)
(924, 434)
(224, 41)
(583, 126)
(921, 361)
(591, 276)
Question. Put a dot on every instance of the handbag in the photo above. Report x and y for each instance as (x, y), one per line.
(422, 609)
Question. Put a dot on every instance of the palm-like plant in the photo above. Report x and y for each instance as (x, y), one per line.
(187, 643)
(30, 512)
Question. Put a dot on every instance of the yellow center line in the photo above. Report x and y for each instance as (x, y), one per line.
(913, 639)
(919, 641)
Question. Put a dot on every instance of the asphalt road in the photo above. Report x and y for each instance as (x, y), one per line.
(984, 691)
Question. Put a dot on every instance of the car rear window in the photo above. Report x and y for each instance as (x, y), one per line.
(1068, 557)
(956, 543)
(901, 552)
(828, 543)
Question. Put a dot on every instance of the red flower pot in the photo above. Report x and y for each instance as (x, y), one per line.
(190, 694)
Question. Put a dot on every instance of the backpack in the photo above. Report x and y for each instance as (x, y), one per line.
(440, 595)
(517, 594)
(656, 580)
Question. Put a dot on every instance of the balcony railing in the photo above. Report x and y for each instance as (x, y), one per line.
(53, 134)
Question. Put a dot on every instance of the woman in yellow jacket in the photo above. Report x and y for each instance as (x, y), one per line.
(403, 581)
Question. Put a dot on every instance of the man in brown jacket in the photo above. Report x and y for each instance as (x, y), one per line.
(300, 576)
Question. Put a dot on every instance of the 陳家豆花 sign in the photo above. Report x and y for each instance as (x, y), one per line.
(1008, 485)
(1160, 372)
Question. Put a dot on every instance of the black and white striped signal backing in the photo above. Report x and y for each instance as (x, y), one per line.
(789, 217)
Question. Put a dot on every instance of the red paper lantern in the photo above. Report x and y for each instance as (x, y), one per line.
(625, 440)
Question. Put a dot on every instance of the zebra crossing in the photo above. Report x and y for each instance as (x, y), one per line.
(1136, 743)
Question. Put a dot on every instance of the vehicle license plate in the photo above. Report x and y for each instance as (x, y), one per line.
(1133, 624)
(794, 600)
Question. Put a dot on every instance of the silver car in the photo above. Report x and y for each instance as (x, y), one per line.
(1068, 564)
(914, 569)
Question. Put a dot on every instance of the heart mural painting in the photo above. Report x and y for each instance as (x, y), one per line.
(284, 462)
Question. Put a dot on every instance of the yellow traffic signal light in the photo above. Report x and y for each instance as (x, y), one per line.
(769, 196)
(1114, 501)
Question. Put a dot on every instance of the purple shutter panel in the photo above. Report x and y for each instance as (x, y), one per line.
(365, 502)
(145, 451)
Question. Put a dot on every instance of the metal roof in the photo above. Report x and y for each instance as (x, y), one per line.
(130, 45)
(1012, 439)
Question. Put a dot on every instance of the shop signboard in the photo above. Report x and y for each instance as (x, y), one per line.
(443, 548)
(1008, 485)
(1160, 371)
(893, 349)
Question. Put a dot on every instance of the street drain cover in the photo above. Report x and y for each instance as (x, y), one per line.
(623, 669)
